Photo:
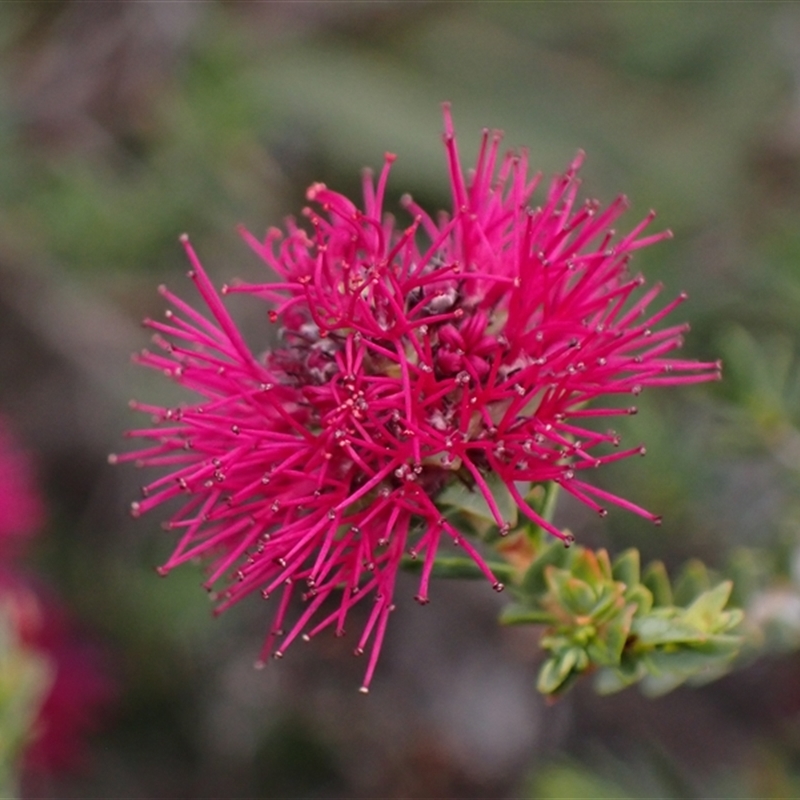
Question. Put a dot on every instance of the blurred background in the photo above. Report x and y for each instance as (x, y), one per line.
(124, 124)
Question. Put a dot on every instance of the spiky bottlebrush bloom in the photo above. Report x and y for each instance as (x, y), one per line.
(402, 368)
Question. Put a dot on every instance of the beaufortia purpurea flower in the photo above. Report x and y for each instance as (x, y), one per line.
(466, 347)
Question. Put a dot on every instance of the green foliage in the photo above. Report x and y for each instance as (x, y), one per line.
(607, 618)
(614, 619)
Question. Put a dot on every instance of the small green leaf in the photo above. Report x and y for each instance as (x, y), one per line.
(517, 614)
(534, 583)
(689, 660)
(555, 671)
(654, 630)
(611, 680)
(657, 685)
(574, 594)
(616, 635)
(641, 597)
(705, 611)
(592, 567)
(626, 567)
(735, 616)
(691, 583)
(657, 581)
(610, 603)
(552, 674)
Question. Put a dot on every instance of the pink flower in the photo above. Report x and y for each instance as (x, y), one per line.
(402, 368)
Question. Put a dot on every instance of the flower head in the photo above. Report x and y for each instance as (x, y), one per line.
(466, 347)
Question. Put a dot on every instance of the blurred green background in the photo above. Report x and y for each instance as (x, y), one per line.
(124, 124)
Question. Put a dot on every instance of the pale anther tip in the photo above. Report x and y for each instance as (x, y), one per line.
(364, 690)
(259, 664)
(113, 458)
(184, 238)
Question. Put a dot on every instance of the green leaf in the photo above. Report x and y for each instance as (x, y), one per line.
(691, 659)
(574, 594)
(551, 676)
(691, 583)
(657, 685)
(705, 611)
(517, 614)
(609, 681)
(654, 630)
(616, 635)
(534, 583)
(626, 567)
(609, 605)
(668, 669)
(641, 597)
(657, 581)
(615, 679)
(556, 670)
(594, 567)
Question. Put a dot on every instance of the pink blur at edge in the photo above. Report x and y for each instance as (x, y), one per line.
(81, 687)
